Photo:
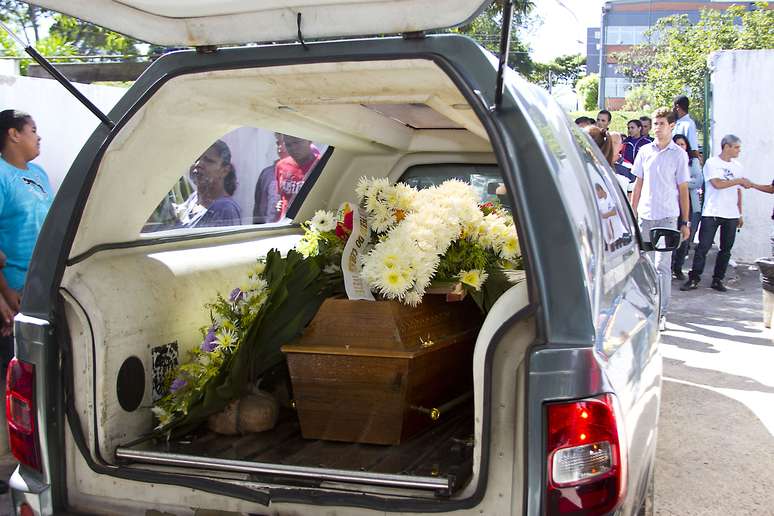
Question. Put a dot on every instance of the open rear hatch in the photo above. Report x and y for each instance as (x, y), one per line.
(220, 22)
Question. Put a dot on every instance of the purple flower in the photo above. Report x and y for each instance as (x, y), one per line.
(209, 341)
(235, 295)
(177, 384)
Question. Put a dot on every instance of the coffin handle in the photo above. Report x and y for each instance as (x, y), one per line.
(435, 413)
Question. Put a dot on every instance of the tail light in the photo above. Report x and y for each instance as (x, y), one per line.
(586, 457)
(20, 413)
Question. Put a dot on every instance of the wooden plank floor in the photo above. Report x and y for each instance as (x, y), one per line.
(443, 450)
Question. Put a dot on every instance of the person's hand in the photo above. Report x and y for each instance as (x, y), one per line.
(745, 183)
(740, 223)
(11, 298)
(6, 318)
(685, 232)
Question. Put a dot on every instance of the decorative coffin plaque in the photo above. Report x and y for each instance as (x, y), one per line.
(373, 371)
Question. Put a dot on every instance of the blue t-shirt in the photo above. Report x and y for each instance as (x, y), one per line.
(25, 197)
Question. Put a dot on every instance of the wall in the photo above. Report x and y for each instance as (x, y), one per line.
(742, 105)
(63, 122)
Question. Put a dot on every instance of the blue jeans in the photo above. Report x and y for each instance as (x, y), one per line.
(709, 226)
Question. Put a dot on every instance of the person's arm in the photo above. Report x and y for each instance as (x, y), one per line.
(728, 183)
(697, 179)
(636, 195)
(9, 305)
(739, 205)
(684, 207)
(763, 188)
(693, 140)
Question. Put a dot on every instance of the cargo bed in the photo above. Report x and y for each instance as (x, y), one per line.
(438, 460)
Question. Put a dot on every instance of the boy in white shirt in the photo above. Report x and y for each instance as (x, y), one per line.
(723, 183)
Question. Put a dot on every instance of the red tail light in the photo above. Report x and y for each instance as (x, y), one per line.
(20, 413)
(586, 457)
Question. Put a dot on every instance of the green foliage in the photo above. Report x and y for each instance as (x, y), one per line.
(561, 70)
(588, 90)
(285, 296)
(640, 98)
(486, 29)
(465, 254)
(91, 39)
(675, 62)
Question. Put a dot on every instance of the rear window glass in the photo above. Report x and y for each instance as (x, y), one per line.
(248, 176)
(485, 179)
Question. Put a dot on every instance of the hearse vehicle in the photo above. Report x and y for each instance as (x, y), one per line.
(565, 368)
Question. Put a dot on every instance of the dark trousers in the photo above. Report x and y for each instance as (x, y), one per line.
(678, 257)
(709, 225)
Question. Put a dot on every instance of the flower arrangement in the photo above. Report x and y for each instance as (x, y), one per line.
(230, 320)
(242, 343)
(436, 235)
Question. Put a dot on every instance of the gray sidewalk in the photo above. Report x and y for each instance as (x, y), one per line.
(716, 433)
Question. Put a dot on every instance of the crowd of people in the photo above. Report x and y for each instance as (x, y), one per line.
(670, 185)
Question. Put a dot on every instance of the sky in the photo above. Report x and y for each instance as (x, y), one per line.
(562, 30)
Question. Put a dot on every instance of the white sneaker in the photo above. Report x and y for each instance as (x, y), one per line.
(662, 323)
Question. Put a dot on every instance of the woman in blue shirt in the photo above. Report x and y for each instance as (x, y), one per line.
(25, 197)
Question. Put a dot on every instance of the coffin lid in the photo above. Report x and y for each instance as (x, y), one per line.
(219, 22)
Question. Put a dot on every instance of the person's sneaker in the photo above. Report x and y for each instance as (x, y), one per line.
(678, 275)
(691, 284)
(662, 323)
(718, 285)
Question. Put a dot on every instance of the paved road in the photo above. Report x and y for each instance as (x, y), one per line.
(716, 434)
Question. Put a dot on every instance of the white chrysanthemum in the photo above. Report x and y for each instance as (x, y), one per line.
(393, 283)
(323, 220)
(225, 339)
(474, 278)
(510, 248)
(162, 415)
(412, 298)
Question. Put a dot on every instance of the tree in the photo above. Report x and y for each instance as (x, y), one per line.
(640, 98)
(24, 16)
(561, 70)
(66, 36)
(90, 39)
(487, 27)
(588, 90)
(675, 62)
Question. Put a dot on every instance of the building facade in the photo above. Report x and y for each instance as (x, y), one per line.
(624, 23)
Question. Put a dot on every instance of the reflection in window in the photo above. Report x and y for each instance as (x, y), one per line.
(249, 176)
(613, 230)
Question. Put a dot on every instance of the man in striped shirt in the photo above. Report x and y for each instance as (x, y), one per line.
(660, 194)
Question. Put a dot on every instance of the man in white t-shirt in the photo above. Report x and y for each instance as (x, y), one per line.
(723, 183)
(660, 194)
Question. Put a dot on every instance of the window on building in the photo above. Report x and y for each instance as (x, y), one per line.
(616, 87)
(629, 35)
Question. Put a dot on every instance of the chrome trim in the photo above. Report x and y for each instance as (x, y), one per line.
(335, 475)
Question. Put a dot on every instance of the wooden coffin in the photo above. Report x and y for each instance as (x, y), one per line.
(372, 371)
